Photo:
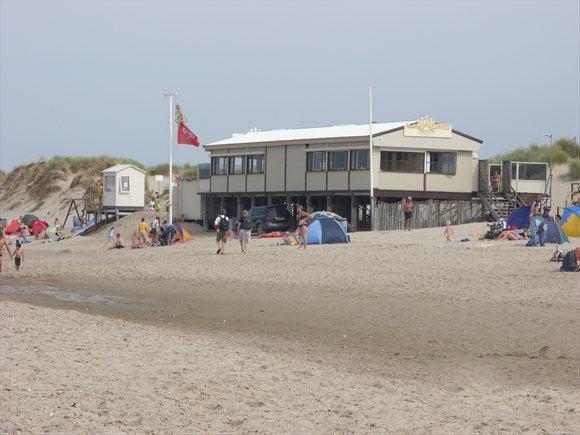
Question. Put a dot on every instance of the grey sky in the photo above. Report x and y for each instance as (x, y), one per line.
(88, 77)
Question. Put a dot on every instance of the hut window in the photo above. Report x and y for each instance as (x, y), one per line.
(338, 160)
(359, 160)
(256, 164)
(109, 183)
(125, 184)
(442, 163)
(533, 171)
(237, 166)
(316, 161)
(396, 161)
(219, 166)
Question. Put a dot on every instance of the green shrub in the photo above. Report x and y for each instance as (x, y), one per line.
(562, 151)
(574, 170)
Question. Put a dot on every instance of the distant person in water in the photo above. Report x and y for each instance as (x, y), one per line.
(18, 256)
(3, 246)
(408, 209)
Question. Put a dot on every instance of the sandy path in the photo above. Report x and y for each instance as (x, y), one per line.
(390, 333)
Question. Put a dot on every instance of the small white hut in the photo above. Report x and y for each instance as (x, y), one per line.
(124, 188)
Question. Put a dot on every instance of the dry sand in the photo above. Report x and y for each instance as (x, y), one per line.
(396, 332)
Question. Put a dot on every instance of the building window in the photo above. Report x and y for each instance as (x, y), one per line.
(338, 160)
(395, 161)
(125, 186)
(109, 183)
(219, 166)
(532, 171)
(442, 163)
(237, 166)
(359, 160)
(316, 161)
(256, 164)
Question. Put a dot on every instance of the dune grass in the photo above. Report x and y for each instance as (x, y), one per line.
(564, 150)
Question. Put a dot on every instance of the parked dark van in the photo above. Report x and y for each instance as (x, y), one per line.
(271, 218)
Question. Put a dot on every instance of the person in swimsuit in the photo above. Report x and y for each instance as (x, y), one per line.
(3, 245)
(302, 226)
(18, 256)
(408, 210)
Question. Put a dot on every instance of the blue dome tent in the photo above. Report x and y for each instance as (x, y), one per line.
(554, 233)
(520, 218)
(325, 230)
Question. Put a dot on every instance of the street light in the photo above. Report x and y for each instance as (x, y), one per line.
(549, 136)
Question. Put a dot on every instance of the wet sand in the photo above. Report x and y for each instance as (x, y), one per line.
(391, 333)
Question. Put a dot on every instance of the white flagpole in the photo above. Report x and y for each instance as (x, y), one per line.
(171, 96)
(372, 192)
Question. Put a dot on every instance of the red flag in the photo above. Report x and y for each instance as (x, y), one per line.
(185, 136)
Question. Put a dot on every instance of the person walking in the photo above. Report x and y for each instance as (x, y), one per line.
(408, 209)
(221, 225)
(3, 245)
(301, 226)
(244, 230)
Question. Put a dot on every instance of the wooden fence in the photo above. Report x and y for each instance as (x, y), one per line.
(427, 214)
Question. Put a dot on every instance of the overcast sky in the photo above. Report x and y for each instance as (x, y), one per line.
(88, 77)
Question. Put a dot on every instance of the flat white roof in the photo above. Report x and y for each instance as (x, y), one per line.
(293, 134)
(119, 168)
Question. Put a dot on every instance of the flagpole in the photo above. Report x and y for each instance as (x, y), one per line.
(372, 190)
(171, 96)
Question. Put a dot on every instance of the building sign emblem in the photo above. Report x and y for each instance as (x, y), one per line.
(426, 127)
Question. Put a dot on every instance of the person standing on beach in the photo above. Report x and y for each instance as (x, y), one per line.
(301, 226)
(408, 208)
(3, 245)
(18, 256)
(143, 229)
(221, 225)
(244, 230)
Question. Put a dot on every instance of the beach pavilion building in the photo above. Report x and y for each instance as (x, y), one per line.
(328, 168)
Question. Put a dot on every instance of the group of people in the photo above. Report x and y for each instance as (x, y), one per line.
(17, 255)
(243, 229)
(158, 234)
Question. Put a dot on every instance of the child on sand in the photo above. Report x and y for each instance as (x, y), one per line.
(448, 233)
(119, 242)
(110, 236)
(143, 230)
(18, 255)
(136, 242)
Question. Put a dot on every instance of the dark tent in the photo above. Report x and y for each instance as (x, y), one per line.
(520, 218)
(326, 231)
(27, 219)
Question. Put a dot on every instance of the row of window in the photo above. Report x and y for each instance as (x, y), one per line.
(431, 162)
(321, 161)
(238, 165)
(318, 161)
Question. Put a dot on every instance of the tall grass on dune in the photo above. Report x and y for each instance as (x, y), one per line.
(564, 150)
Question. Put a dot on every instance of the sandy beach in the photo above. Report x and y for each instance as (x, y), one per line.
(396, 332)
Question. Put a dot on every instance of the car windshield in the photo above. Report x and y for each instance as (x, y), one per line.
(258, 211)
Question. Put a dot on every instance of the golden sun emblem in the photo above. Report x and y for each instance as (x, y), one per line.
(426, 125)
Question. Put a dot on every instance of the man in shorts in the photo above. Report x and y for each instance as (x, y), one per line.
(244, 230)
(408, 211)
(221, 225)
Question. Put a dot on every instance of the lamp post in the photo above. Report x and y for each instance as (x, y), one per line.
(549, 137)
